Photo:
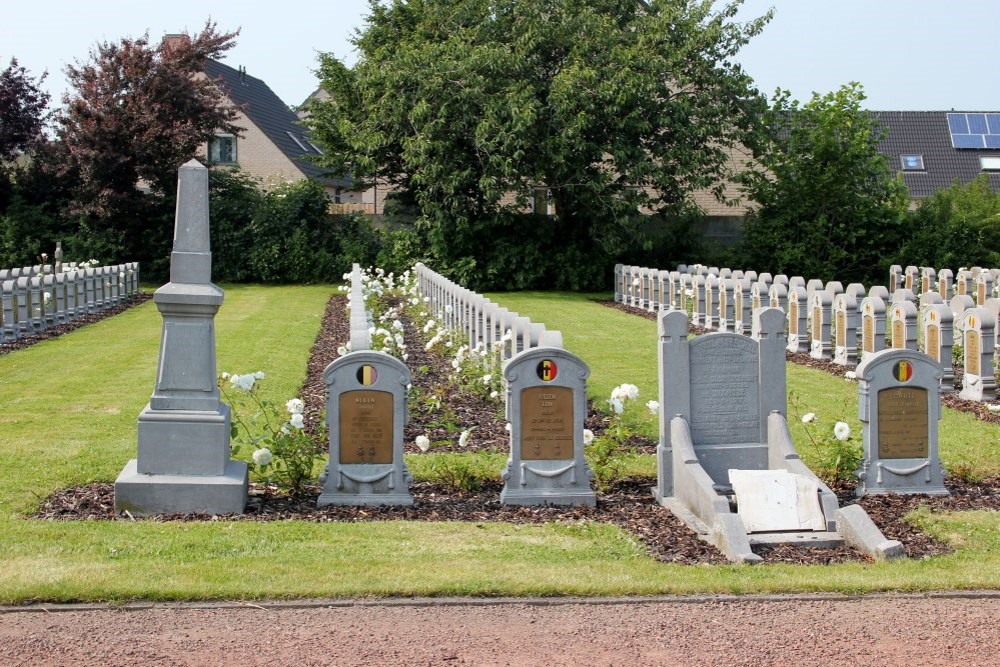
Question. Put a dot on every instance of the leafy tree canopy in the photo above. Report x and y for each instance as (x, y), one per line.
(22, 110)
(829, 204)
(136, 113)
(611, 104)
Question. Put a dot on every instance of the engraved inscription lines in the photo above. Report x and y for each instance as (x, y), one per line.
(725, 403)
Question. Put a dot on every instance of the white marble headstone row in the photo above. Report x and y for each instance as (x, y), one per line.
(977, 282)
(478, 318)
(31, 304)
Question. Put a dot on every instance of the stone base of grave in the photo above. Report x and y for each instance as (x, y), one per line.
(565, 497)
(365, 499)
(143, 494)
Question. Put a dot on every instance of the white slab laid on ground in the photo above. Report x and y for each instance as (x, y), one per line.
(774, 500)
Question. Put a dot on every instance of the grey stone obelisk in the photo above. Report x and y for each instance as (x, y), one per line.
(183, 463)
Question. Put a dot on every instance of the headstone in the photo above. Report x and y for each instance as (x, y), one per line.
(899, 408)
(699, 312)
(945, 281)
(619, 279)
(365, 416)
(845, 324)
(819, 327)
(962, 282)
(742, 307)
(938, 338)
(959, 304)
(546, 407)
(781, 279)
(930, 299)
(725, 273)
(904, 294)
(183, 463)
(834, 287)
(758, 295)
(798, 317)
(726, 309)
(778, 297)
(737, 275)
(814, 285)
(903, 325)
(979, 337)
(880, 291)
(895, 277)
(22, 297)
(49, 300)
(910, 278)
(59, 257)
(37, 295)
(796, 281)
(984, 287)
(856, 290)
(59, 298)
(928, 280)
(712, 302)
(872, 326)
(752, 277)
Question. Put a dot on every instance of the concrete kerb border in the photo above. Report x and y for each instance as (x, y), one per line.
(280, 605)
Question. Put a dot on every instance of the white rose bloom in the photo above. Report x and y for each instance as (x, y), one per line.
(455, 363)
(842, 431)
(405, 356)
(487, 378)
(259, 375)
(396, 324)
(341, 351)
(225, 376)
(262, 456)
(851, 375)
(297, 421)
(463, 440)
(423, 442)
(808, 418)
(588, 436)
(508, 427)
(295, 406)
(447, 308)
(494, 394)
(244, 382)
(653, 406)
(616, 405)
(631, 391)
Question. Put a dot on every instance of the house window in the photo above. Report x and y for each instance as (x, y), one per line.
(222, 149)
(541, 202)
(912, 162)
(336, 196)
(989, 162)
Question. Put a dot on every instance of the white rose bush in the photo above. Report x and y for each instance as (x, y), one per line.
(283, 454)
(838, 451)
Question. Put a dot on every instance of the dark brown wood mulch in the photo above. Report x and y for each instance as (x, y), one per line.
(627, 504)
(61, 329)
(949, 399)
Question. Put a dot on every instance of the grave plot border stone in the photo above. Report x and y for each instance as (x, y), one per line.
(544, 475)
(899, 406)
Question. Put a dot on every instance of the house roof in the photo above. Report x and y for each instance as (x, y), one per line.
(274, 118)
(926, 133)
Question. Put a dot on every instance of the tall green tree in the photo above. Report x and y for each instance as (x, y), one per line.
(829, 205)
(612, 105)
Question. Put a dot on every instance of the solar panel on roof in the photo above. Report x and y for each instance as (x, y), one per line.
(974, 130)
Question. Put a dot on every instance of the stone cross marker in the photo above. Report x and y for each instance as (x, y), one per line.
(183, 463)
(365, 416)
(979, 338)
(899, 407)
(546, 405)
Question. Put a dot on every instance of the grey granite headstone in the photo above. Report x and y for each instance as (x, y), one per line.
(820, 304)
(984, 287)
(22, 296)
(546, 401)
(899, 407)
(726, 309)
(979, 339)
(945, 281)
(9, 331)
(938, 338)
(183, 463)
(872, 326)
(619, 278)
(845, 330)
(910, 278)
(742, 307)
(778, 296)
(962, 282)
(903, 325)
(699, 312)
(928, 280)
(798, 317)
(712, 302)
(895, 277)
(365, 415)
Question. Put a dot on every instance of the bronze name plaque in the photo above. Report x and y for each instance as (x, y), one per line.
(980, 293)
(898, 338)
(841, 329)
(902, 423)
(868, 334)
(546, 423)
(934, 341)
(817, 324)
(366, 427)
(972, 352)
(943, 289)
(793, 318)
(961, 286)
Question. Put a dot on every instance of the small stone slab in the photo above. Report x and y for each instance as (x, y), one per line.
(777, 500)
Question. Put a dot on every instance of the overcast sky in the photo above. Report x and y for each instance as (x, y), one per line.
(908, 54)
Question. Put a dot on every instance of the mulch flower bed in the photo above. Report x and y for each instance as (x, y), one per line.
(627, 504)
(60, 329)
(949, 399)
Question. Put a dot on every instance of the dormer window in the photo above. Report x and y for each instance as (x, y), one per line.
(222, 149)
(912, 162)
(989, 162)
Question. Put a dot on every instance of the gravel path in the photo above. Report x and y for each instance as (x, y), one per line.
(876, 630)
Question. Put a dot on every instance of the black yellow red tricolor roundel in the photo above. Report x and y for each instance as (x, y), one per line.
(367, 375)
(902, 371)
(547, 370)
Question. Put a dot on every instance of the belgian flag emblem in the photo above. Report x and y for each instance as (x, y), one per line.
(547, 370)
(902, 371)
(367, 375)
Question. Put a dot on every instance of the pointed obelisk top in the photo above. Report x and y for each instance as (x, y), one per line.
(191, 259)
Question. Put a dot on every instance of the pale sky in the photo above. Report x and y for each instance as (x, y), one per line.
(908, 54)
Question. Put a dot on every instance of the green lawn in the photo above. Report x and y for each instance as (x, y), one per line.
(68, 417)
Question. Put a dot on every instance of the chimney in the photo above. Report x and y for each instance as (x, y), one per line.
(173, 41)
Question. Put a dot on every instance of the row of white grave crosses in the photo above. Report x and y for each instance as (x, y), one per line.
(33, 299)
(831, 322)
